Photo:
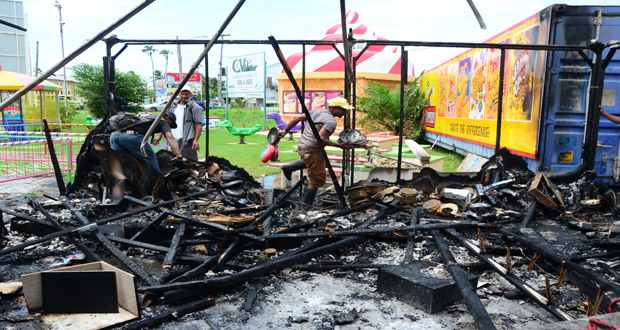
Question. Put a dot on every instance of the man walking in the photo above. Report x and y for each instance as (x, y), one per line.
(308, 148)
(190, 116)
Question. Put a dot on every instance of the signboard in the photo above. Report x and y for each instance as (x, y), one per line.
(160, 89)
(314, 100)
(194, 83)
(246, 75)
(463, 93)
(13, 113)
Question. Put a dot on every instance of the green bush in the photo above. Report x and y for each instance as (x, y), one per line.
(381, 109)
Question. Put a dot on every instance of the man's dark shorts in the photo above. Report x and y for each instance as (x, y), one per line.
(187, 151)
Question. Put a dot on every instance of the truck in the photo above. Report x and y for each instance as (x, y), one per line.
(546, 93)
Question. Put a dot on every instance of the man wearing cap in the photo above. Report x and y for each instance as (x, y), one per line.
(130, 139)
(189, 128)
(308, 148)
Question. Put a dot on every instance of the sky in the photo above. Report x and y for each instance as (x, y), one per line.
(405, 20)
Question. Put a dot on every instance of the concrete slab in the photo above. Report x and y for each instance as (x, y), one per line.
(431, 291)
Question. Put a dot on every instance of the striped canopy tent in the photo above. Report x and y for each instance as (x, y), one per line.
(325, 68)
(13, 81)
(323, 58)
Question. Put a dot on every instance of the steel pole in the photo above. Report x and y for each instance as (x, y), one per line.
(62, 45)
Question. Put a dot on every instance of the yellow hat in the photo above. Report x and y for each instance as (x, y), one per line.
(340, 102)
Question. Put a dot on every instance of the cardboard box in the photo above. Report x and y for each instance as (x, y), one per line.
(125, 291)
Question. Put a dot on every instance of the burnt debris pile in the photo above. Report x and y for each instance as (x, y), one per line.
(503, 231)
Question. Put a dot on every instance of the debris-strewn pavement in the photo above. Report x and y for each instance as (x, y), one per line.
(216, 251)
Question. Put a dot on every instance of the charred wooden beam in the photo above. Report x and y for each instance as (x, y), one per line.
(379, 231)
(222, 228)
(137, 244)
(530, 213)
(609, 270)
(528, 290)
(150, 227)
(176, 240)
(180, 257)
(196, 271)
(273, 265)
(534, 241)
(19, 215)
(414, 221)
(229, 253)
(595, 255)
(52, 152)
(87, 227)
(87, 251)
(295, 257)
(329, 267)
(201, 241)
(170, 315)
(244, 210)
(276, 205)
(118, 254)
(251, 296)
(472, 301)
(174, 245)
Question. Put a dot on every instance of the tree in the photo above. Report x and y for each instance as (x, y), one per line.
(157, 75)
(212, 88)
(381, 109)
(165, 53)
(149, 50)
(90, 85)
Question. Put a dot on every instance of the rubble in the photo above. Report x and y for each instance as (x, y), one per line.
(216, 234)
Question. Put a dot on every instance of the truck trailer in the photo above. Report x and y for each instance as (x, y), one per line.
(550, 97)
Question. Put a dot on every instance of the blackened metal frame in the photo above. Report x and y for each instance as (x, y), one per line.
(598, 66)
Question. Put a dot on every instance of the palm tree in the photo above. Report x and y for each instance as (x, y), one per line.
(149, 50)
(165, 53)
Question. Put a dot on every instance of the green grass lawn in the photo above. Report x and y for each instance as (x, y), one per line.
(223, 144)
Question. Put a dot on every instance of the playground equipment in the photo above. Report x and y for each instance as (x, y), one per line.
(239, 131)
(281, 124)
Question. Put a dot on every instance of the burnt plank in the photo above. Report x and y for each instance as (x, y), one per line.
(472, 301)
(68, 231)
(118, 254)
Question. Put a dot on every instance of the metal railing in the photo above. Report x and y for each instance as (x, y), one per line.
(27, 159)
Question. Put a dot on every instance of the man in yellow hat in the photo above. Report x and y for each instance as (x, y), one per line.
(308, 147)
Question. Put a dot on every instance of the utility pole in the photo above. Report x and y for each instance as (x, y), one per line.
(36, 66)
(62, 44)
(180, 61)
(219, 74)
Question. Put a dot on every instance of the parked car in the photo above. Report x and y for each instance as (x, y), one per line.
(211, 106)
(72, 101)
(157, 106)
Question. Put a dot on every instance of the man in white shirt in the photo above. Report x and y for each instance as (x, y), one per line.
(189, 124)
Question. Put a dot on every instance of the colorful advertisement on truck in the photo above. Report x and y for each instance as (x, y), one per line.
(546, 93)
(463, 92)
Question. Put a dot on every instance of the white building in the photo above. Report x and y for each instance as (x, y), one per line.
(15, 49)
